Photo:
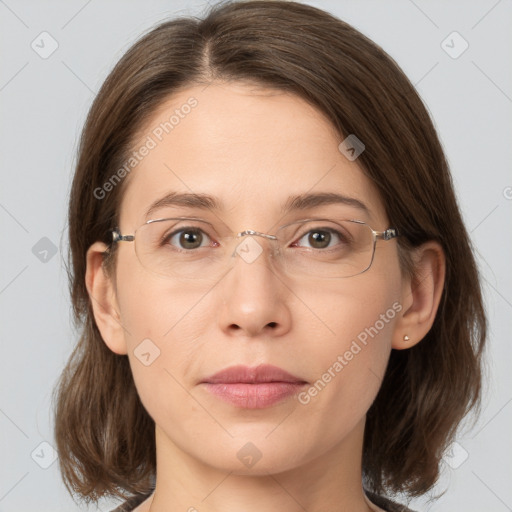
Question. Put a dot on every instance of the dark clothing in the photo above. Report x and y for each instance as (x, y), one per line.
(383, 503)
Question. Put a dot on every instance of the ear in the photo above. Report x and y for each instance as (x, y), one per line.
(102, 295)
(421, 295)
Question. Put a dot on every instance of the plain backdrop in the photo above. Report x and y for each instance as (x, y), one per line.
(44, 100)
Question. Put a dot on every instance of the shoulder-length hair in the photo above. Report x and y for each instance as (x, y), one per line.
(104, 436)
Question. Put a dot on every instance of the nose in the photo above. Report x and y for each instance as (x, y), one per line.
(254, 297)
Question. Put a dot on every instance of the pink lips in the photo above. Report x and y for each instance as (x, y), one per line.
(253, 388)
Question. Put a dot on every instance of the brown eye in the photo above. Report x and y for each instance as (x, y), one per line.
(320, 238)
(186, 238)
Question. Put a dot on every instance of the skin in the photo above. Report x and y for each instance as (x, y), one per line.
(253, 148)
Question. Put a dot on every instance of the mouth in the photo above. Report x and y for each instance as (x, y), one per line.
(253, 387)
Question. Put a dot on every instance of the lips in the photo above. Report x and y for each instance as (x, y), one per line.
(252, 375)
(253, 387)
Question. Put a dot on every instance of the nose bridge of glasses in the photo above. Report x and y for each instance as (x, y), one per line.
(256, 233)
(247, 246)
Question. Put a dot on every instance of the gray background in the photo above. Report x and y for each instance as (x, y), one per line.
(43, 106)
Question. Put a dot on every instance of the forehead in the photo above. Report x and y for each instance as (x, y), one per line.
(252, 148)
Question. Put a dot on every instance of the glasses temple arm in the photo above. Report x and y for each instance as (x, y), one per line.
(387, 234)
(117, 237)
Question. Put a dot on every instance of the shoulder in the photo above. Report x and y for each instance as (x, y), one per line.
(382, 502)
(130, 504)
(386, 504)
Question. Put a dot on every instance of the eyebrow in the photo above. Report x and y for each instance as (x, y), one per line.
(293, 203)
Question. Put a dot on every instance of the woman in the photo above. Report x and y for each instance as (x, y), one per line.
(281, 307)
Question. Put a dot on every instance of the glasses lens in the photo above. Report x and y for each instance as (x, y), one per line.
(181, 248)
(191, 249)
(327, 248)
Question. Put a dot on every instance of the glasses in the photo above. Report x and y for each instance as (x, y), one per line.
(190, 248)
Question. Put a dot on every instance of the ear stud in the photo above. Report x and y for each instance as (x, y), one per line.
(406, 338)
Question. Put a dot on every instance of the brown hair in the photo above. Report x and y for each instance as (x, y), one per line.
(105, 437)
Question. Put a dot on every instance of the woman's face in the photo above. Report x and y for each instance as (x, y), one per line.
(252, 150)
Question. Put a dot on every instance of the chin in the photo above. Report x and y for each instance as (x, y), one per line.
(255, 455)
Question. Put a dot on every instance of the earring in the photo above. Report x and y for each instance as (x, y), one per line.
(406, 338)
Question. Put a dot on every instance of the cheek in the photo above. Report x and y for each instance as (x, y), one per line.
(162, 329)
(349, 359)
(151, 306)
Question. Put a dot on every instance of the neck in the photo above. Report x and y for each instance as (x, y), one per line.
(330, 481)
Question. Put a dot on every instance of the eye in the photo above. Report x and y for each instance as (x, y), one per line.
(186, 238)
(321, 238)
